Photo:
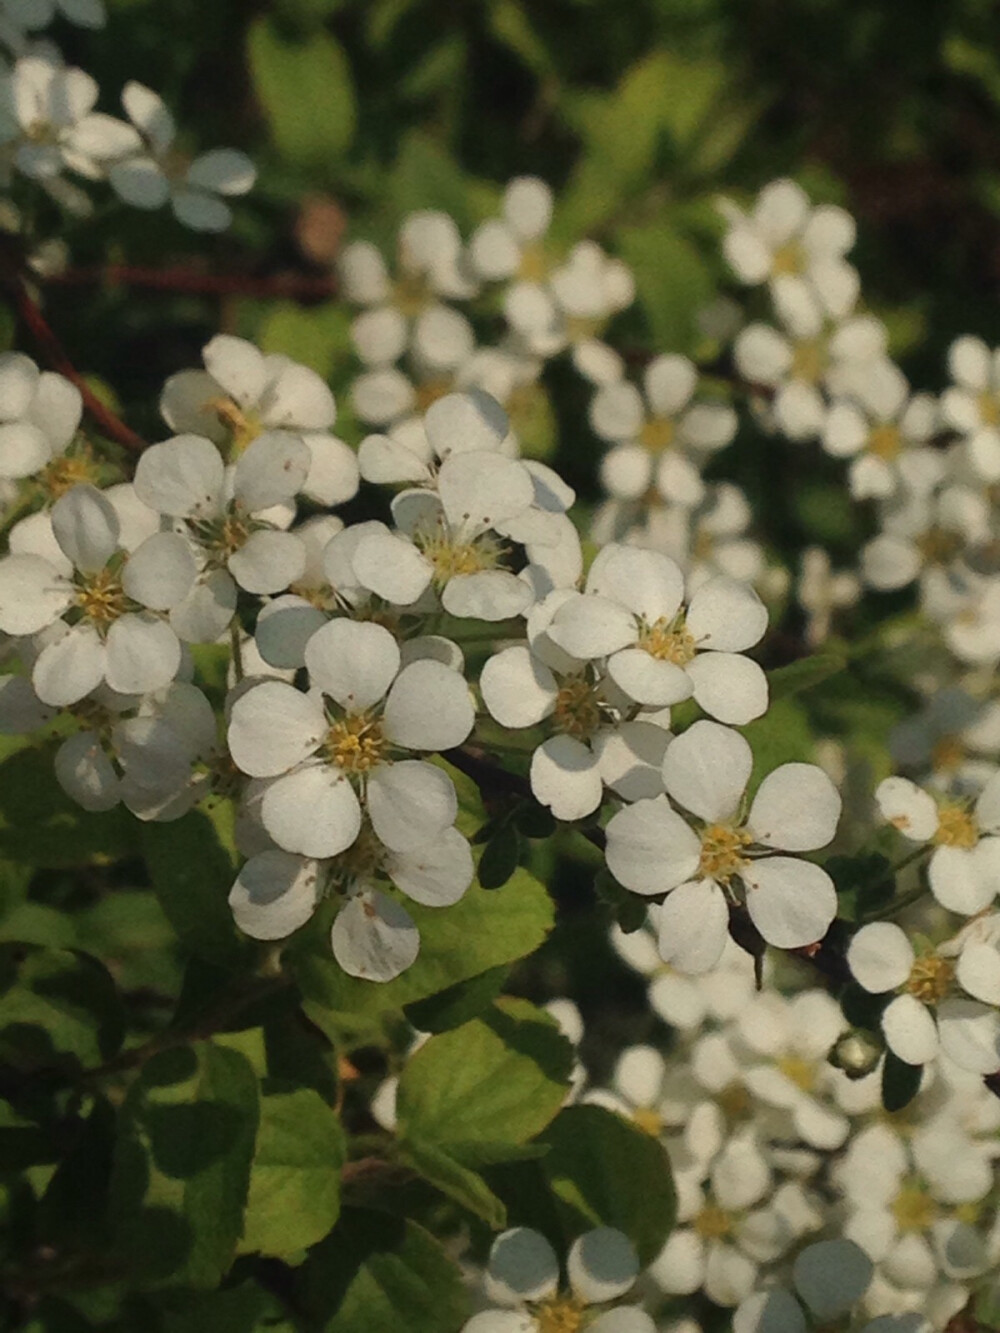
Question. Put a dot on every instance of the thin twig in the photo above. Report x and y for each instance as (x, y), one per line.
(279, 286)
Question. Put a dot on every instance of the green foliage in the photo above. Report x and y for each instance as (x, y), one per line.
(59, 1010)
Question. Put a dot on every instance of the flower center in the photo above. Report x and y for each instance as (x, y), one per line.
(668, 641)
(533, 265)
(930, 978)
(431, 390)
(101, 597)
(938, 546)
(355, 744)
(450, 557)
(577, 711)
(913, 1208)
(361, 860)
(562, 1315)
(65, 471)
(801, 1072)
(722, 852)
(809, 360)
(243, 426)
(956, 827)
(648, 1120)
(885, 441)
(734, 1100)
(580, 329)
(657, 434)
(713, 1222)
(411, 294)
(788, 260)
(989, 409)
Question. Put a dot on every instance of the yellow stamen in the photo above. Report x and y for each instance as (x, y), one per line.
(947, 755)
(411, 295)
(913, 1209)
(562, 1315)
(431, 390)
(577, 711)
(809, 361)
(930, 978)
(533, 264)
(657, 434)
(65, 471)
(722, 852)
(989, 409)
(734, 1100)
(956, 827)
(885, 441)
(355, 744)
(789, 260)
(668, 641)
(101, 598)
(713, 1222)
(243, 426)
(451, 557)
(648, 1120)
(801, 1072)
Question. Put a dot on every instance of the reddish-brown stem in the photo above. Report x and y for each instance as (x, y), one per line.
(290, 286)
(56, 357)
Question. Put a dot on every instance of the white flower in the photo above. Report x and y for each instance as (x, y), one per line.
(657, 651)
(820, 593)
(338, 750)
(652, 849)
(110, 602)
(39, 418)
(923, 532)
(32, 15)
(664, 441)
(244, 395)
(522, 1278)
(646, 1090)
(51, 122)
(790, 244)
(469, 422)
(955, 739)
(511, 245)
(972, 405)
(928, 1006)
(964, 868)
(152, 176)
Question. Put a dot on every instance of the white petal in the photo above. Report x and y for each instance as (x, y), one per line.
(910, 1030)
(271, 470)
(958, 881)
(374, 937)
(493, 594)
(182, 476)
(970, 1035)
(354, 662)
(273, 727)
(207, 610)
(527, 206)
(729, 687)
(880, 957)
(796, 809)
(693, 926)
(616, 412)
(522, 1267)
(85, 773)
(831, 1276)
(648, 680)
(630, 757)
(143, 654)
(479, 490)
(86, 527)
(706, 770)
(469, 422)
(429, 707)
(904, 805)
(312, 810)
(268, 562)
(410, 803)
(384, 459)
(650, 847)
(160, 572)
(24, 449)
(649, 583)
(435, 875)
(517, 687)
(639, 1074)
(200, 212)
(392, 568)
(284, 627)
(774, 1311)
(274, 894)
(587, 626)
(224, 170)
(978, 972)
(32, 594)
(238, 366)
(19, 378)
(791, 902)
(565, 777)
(726, 615)
(68, 669)
(601, 1265)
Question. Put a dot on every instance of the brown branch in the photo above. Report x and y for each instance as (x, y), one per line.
(55, 355)
(288, 286)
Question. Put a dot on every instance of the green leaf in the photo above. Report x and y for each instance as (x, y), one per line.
(605, 1171)
(484, 930)
(306, 91)
(500, 857)
(672, 281)
(804, 674)
(376, 1273)
(456, 1005)
(425, 175)
(900, 1082)
(497, 1080)
(318, 337)
(192, 865)
(234, 1310)
(182, 1165)
(458, 1182)
(294, 1198)
(781, 736)
(41, 826)
(58, 1009)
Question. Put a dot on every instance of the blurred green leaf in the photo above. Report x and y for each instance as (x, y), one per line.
(318, 337)
(305, 88)
(57, 1008)
(672, 282)
(458, 1182)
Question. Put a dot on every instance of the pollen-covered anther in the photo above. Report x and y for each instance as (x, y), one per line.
(930, 978)
(450, 558)
(411, 295)
(648, 1120)
(789, 260)
(577, 711)
(65, 471)
(947, 755)
(533, 264)
(712, 1223)
(355, 744)
(101, 598)
(722, 851)
(885, 441)
(956, 827)
(657, 434)
(989, 409)
(801, 1072)
(668, 641)
(244, 427)
(809, 361)
(562, 1315)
